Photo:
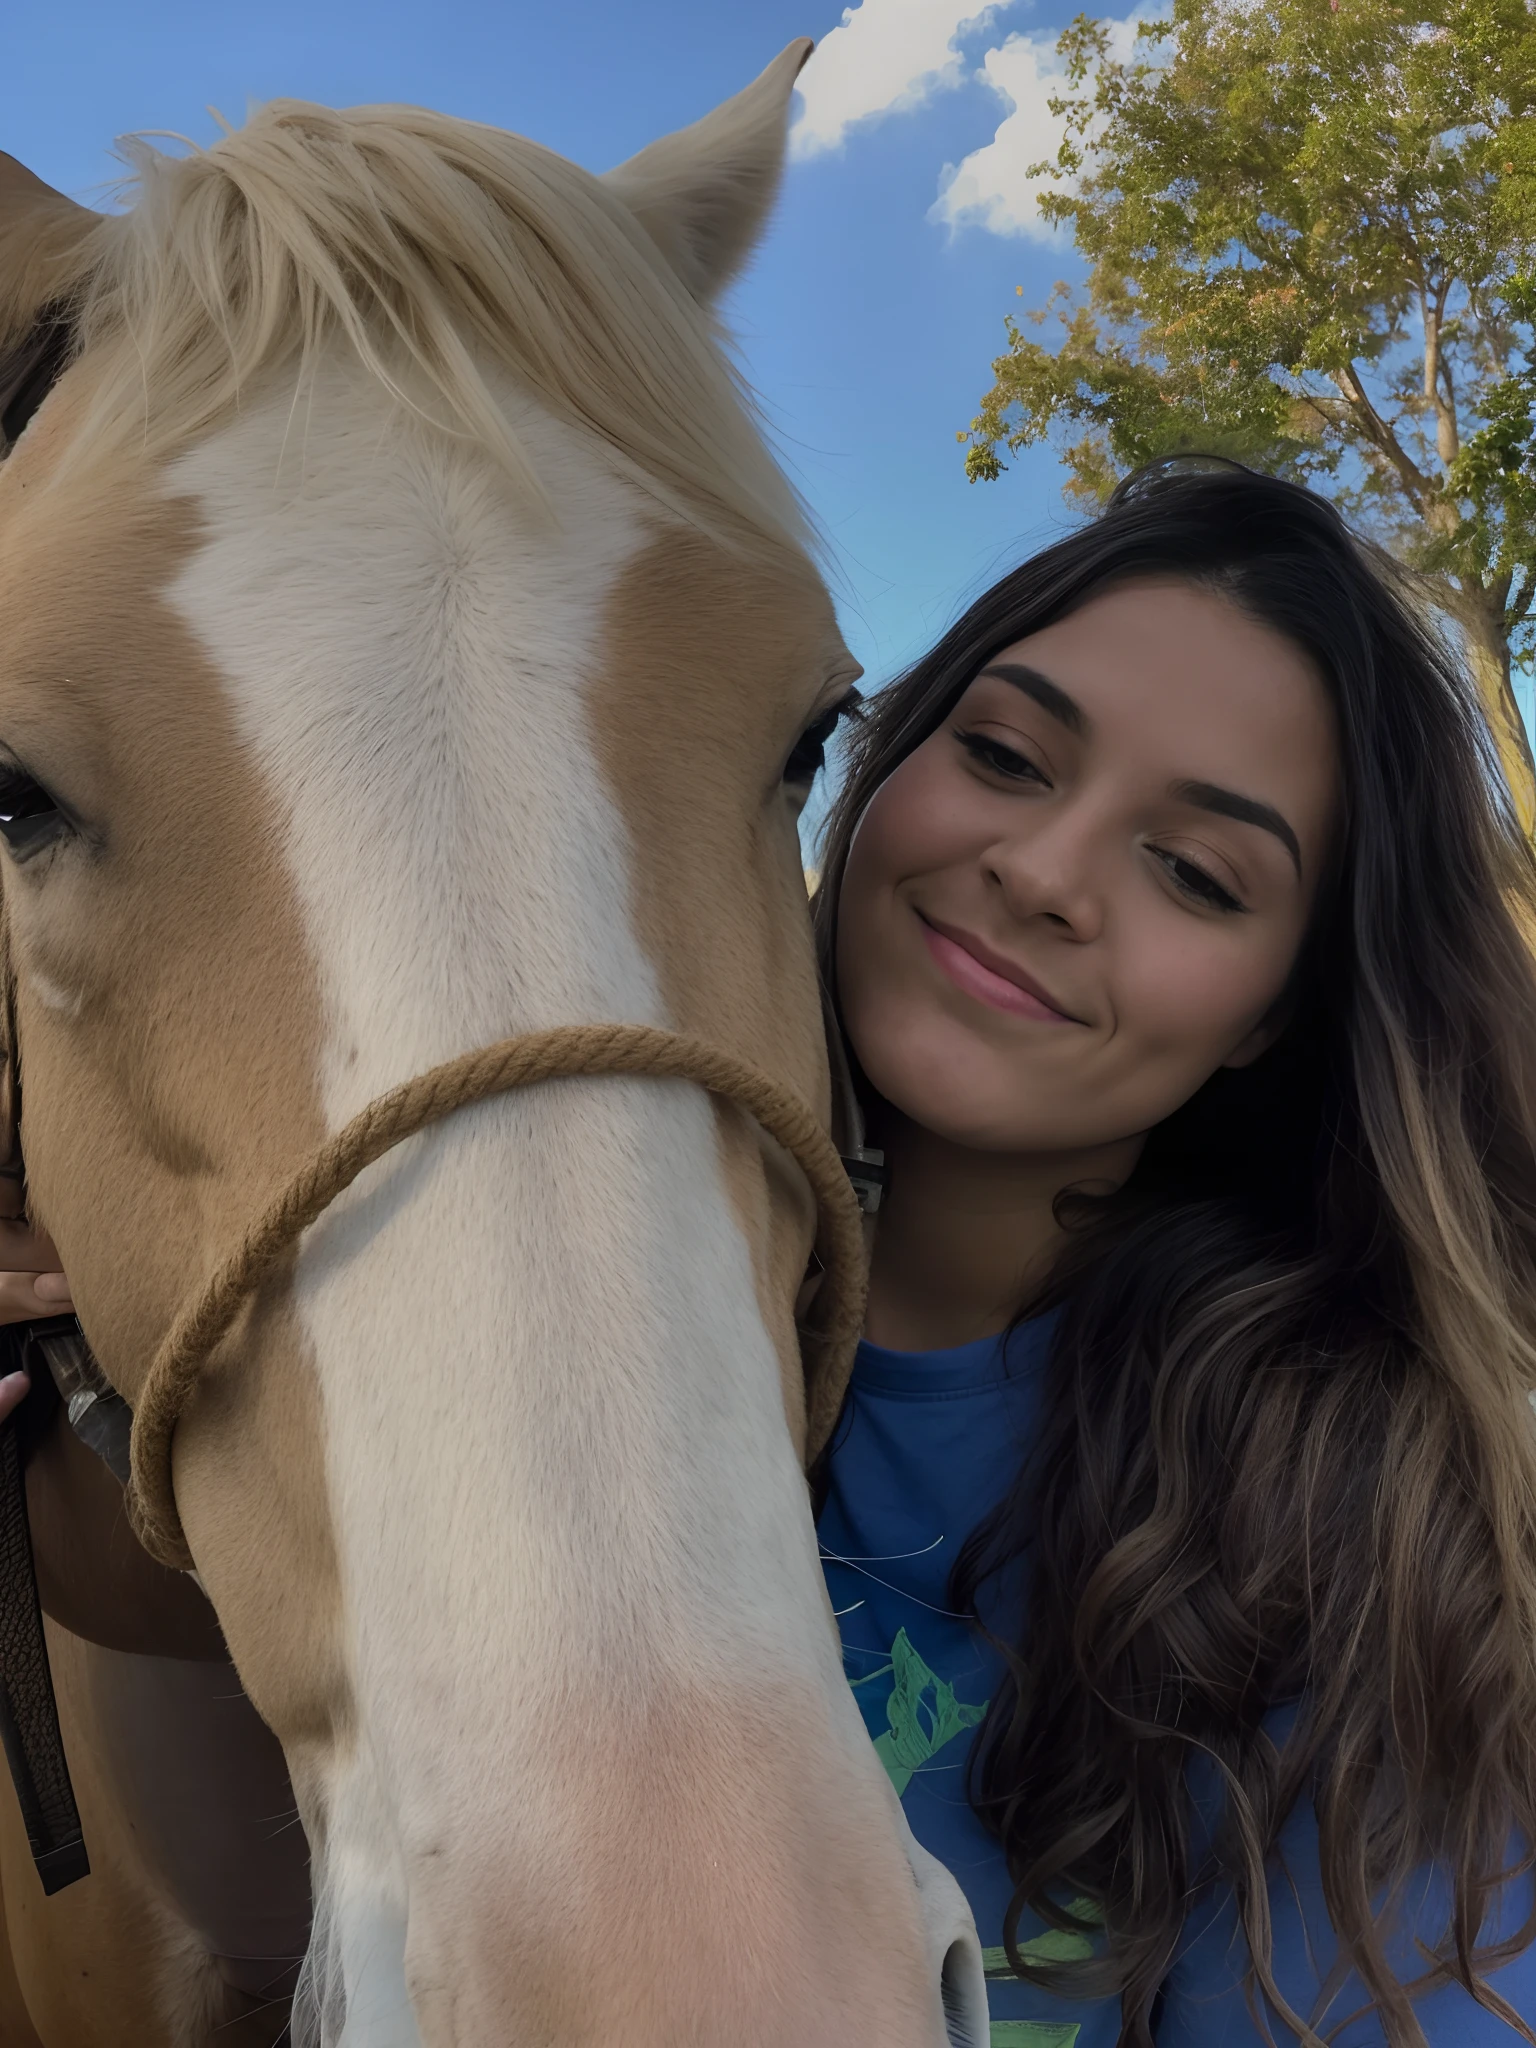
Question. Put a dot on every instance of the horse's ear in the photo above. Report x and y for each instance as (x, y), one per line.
(42, 245)
(42, 237)
(704, 193)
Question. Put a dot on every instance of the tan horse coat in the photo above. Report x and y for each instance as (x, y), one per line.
(409, 631)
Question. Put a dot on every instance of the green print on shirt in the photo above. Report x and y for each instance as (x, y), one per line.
(924, 1715)
(1056, 1945)
(922, 1710)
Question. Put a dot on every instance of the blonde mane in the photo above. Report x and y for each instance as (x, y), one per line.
(430, 246)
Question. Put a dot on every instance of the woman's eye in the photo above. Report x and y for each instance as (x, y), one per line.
(1194, 882)
(1000, 759)
(810, 751)
(29, 818)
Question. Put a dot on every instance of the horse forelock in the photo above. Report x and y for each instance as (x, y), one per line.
(434, 249)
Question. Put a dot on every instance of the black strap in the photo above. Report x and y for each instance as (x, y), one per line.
(29, 1715)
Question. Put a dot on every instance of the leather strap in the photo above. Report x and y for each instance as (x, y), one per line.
(29, 1715)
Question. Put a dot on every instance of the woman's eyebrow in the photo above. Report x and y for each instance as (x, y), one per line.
(1226, 803)
(1048, 695)
(1206, 796)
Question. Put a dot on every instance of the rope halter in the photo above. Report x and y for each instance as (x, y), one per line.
(568, 1051)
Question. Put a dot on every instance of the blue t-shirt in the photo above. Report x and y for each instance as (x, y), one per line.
(929, 1443)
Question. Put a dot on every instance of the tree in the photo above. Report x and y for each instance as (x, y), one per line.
(1308, 231)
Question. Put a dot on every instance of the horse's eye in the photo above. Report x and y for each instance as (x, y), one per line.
(29, 817)
(810, 752)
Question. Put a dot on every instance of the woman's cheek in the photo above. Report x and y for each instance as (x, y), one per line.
(1185, 1009)
(890, 1027)
(934, 1071)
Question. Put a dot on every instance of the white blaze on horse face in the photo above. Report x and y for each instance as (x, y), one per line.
(601, 1723)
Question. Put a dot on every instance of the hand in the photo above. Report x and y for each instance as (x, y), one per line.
(31, 1286)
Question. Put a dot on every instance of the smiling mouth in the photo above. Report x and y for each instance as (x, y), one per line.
(990, 980)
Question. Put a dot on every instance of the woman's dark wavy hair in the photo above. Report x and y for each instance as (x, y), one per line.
(1288, 1453)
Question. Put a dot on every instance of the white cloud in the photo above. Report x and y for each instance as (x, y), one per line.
(889, 56)
(991, 188)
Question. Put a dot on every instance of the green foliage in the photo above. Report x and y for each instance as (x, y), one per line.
(1308, 230)
(1493, 478)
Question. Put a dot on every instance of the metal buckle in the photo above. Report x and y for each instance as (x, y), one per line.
(97, 1412)
(866, 1171)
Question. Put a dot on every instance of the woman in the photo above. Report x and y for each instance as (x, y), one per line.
(1182, 1520)
(1174, 918)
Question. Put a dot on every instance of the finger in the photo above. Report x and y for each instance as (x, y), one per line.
(24, 1250)
(14, 1388)
(21, 1302)
(54, 1287)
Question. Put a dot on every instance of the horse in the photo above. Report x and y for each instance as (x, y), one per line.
(407, 640)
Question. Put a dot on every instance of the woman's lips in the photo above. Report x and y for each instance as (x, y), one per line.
(972, 974)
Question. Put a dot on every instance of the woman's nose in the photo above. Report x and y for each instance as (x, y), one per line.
(1055, 871)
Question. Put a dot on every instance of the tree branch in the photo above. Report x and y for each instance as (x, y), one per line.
(1436, 367)
(1431, 340)
(1414, 482)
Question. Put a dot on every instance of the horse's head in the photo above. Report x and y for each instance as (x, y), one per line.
(405, 640)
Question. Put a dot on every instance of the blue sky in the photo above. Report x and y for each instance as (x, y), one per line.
(867, 325)
(870, 316)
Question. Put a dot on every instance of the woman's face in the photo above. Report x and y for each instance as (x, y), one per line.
(1086, 891)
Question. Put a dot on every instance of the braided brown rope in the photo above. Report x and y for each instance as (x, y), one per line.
(563, 1053)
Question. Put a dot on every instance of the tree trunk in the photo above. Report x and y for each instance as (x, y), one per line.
(1488, 652)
